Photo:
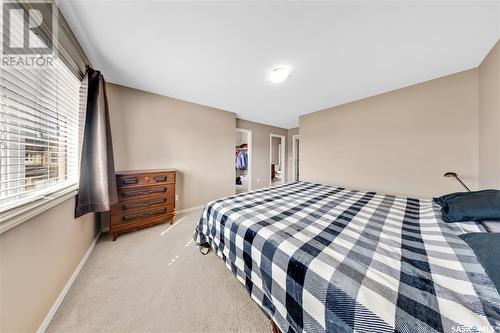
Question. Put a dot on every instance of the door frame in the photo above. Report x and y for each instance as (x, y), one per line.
(283, 157)
(250, 165)
(295, 139)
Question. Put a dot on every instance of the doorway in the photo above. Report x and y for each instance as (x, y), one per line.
(295, 157)
(243, 161)
(277, 160)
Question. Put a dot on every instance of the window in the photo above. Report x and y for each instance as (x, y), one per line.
(39, 116)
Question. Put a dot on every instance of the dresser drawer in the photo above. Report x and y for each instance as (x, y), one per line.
(141, 204)
(138, 216)
(137, 210)
(138, 224)
(145, 179)
(145, 193)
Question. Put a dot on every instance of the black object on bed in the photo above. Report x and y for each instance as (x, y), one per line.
(486, 246)
(318, 258)
(470, 206)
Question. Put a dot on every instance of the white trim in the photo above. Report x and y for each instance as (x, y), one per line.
(53, 310)
(15, 216)
(283, 157)
(294, 156)
(250, 165)
(187, 210)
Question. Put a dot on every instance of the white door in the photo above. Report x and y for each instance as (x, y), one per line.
(277, 160)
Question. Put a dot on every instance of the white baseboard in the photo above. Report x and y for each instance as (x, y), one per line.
(187, 210)
(50, 315)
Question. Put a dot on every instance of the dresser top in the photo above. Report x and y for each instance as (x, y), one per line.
(130, 172)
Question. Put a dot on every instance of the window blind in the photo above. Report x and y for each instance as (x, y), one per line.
(39, 130)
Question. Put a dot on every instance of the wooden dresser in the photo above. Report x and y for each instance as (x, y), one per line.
(146, 198)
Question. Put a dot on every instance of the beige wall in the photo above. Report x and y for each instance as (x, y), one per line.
(153, 131)
(37, 258)
(399, 142)
(241, 138)
(290, 133)
(261, 166)
(489, 120)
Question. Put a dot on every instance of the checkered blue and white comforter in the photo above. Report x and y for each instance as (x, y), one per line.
(317, 258)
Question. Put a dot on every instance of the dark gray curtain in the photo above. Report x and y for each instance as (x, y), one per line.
(97, 187)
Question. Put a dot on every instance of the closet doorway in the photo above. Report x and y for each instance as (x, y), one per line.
(243, 161)
(277, 159)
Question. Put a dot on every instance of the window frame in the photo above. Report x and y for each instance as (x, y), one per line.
(35, 201)
(26, 211)
(73, 57)
(28, 207)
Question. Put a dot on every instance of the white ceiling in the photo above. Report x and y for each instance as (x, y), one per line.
(220, 53)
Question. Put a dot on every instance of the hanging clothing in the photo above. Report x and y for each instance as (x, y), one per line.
(242, 160)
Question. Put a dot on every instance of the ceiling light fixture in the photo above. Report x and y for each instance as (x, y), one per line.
(279, 74)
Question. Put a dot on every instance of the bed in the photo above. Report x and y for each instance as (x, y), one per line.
(319, 258)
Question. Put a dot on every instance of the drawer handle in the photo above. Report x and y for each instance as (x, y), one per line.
(143, 192)
(144, 204)
(130, 180)
(160, 178)
(141, 215)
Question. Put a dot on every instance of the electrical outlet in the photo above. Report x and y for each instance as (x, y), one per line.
(176, 197)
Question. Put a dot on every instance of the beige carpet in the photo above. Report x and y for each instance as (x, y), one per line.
(155, 280)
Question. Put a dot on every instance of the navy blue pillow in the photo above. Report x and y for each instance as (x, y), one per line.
(486, 247)
(470, 206)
